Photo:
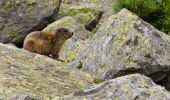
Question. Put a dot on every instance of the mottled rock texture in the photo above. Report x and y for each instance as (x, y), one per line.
(22, 72)
(125, 44)
(19, 17)
(104, 45)
(130, 87)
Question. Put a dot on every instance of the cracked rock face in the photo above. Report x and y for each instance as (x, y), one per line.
(126, 44)
(130, 87)
(19, 17)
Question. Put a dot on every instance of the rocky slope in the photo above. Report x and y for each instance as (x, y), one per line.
(110, 56)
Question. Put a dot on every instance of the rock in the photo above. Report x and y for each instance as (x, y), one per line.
(130, 87)
(15, 97)
(19, 17)
(72, 7)
(80, 33)
(165, 81)
(38, 76)
(92, 7)
(125, 44)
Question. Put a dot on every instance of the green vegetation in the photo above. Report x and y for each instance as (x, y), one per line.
(155, 12)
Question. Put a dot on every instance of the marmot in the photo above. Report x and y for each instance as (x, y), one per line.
(46, 43)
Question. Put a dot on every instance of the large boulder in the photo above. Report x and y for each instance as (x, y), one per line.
(125, 44)
(130, 87)
(19, 17)
(72, 7)
(92, 7)
(28, 75)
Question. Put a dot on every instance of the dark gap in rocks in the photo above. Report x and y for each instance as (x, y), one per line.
(19, 45)
(111, 74)
(41, 25)
(80, 65)
(91, 25)
(165, 81)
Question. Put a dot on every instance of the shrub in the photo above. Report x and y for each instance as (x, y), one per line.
(155, 12)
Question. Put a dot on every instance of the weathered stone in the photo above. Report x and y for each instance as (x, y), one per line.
(72, 7)
(92, 7)
(165, 81)
(16, 97)
(22, 72)
(19, 17)
(126, 44)
(71, 23)
(130, 87)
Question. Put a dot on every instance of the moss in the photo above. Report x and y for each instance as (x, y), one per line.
(9, 4)
(17, 1)
(98, 80)
(72, 54)
(46, 98)
(64, 22)
(31, 2)
(84, 17)
(29, 8)
(68, 23)
(57, 98)
(72, 11)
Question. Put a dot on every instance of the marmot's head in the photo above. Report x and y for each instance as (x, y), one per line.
(64, 33)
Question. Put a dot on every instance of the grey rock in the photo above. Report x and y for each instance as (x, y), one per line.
(130, 87)
(19, 17)
(16, 97)
(24, 75)
(72, 7)
(71, 23)
(126, 44)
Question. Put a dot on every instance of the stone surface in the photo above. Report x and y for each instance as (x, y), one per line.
(130, 87)
(19, 17)
(72, 7)
(22, 72)
(105, 44)
(16, 97)
(71, 23)
(125, 44)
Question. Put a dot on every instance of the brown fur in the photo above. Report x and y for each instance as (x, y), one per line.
(47, 43)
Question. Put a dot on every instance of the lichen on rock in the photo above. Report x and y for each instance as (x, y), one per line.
(126, 44)
(19, 17)
(129, 87)
(22, 72)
